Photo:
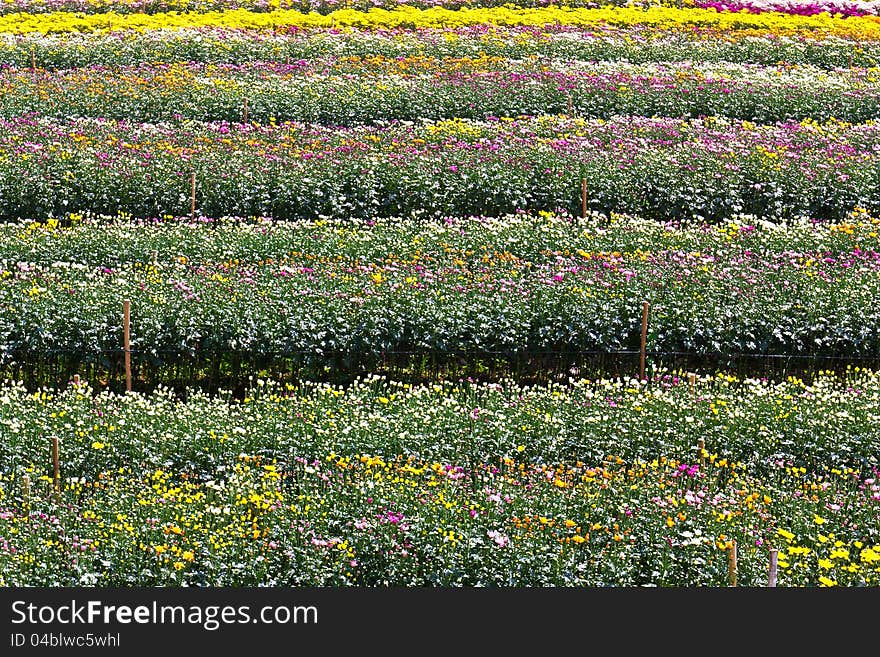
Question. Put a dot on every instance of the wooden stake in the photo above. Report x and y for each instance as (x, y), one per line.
(584, 198)
(126, 337)
(192, 198)
(731, 564)
(25, 489)
(76, 380)
(244, 114)
(155, 260)
(56, 465)
(33, 60)
(771, 578)
(569, 105)
(692, 383)
(701, 446)
(645, 306)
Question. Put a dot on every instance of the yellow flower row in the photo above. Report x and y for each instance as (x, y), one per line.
(863, 27)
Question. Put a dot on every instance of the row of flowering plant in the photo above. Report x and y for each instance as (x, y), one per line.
(842, 8)
(409, 17)
(590, 483)
(634, 43)
(352, 90)
(305, 6)
(517, 286)
(657, 168)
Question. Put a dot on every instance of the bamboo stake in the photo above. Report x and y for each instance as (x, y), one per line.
(192, 197)
(569, 105)
(645, 306)
(126, 334)
(33, 60)
(771, 578)
(584, 198)
(56, 465)
(244, 116)
(25, 489)
(731, 564)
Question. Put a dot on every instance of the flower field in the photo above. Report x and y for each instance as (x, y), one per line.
(388, 266)
(709, 168)
(448, 484)
(357, 90)
(601, 43)
(518, 287)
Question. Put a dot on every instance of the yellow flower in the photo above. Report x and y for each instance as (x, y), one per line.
(824, 581)
(178, 565)
(870, 555)
(839, 553)
(577, 538)
(570, 523)
(98, 445)
(787, 535)
(520, 448)
(818, 520)
(825, 564)
(658, 16)
(188, 555)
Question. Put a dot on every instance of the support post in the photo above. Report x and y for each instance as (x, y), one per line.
(731, 564)
(126, 338)
(771, 577)
(56, 466)
(644, 345)
(584, 198)
(192, 197)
